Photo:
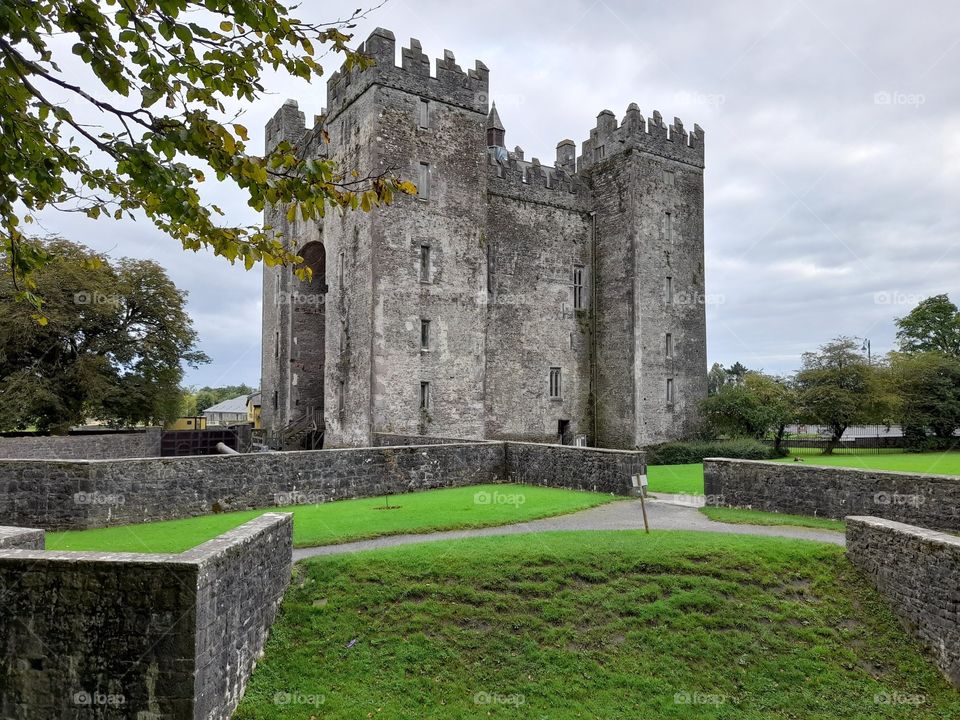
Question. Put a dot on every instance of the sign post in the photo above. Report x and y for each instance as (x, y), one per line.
(640, 488)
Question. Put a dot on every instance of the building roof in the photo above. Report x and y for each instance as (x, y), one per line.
(233, 405)
(493, 119)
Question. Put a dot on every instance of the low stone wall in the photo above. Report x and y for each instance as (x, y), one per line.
(123, 635)
(84, 446)
(576, 468)
(79, 494)
(65, 495)
(918, 572)
(398, 439)
(21, 538)
(931, 501)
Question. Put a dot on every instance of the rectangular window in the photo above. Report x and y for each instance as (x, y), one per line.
(668, 289)
(276, 350)
(423, 184)
(342, 396)
(555, 384)
(579, 298)
(341, 267)
(424, 113)
(600, 152)
(668, 227)
(669, 391)
(425, 263)
(424, 395)
(669, 178)
(424, 334)
(669, 347)
(276, 400)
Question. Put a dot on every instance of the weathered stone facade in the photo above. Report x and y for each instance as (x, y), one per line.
(593, 268)
(88, 636)
(918, 572)
(931, 501)
(85, 446)
(68, 495)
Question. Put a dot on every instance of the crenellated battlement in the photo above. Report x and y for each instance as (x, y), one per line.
(529, 180)
(651, 135)
(450, 84)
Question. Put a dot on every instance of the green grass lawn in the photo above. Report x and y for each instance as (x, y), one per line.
(689, 478)
(611, 625)
(759, 517)
(346, 520)
(676, 478)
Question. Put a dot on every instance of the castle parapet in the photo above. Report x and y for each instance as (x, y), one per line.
(635, 131)
(451, 84)
(288, 123)
(533, 182)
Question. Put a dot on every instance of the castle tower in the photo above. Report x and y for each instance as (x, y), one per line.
(650, 350)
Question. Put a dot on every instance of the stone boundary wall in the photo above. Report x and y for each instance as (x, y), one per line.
(85, 446)
(918, 572)
(79, 494)
(931, 501)
(109, 635)
(69, 495)
(381, 439)
(21, 538)
(575, 468)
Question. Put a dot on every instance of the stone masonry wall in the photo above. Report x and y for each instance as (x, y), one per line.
(917, 571)
(60, 495)
(21, 538)
(576, 468)
(394, 439)
(89, 636)
(104, 446)
(64, 495)
(931, 501)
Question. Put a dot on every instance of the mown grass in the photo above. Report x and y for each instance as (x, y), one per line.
(686, 478)
(347, 520)
(612, 625)
(759, 517)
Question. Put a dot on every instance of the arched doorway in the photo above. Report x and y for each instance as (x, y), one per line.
(308, 320)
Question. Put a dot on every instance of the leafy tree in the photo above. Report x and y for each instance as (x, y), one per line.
(932, 326)
(162, 71)
(716, 378)
(838, 388)
(760, 406)
(736, 373)
(110, 347)
(928, 386)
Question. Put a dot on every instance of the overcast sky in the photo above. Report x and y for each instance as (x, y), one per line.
(832, 153)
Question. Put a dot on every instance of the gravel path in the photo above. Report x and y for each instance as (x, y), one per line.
(665, 512)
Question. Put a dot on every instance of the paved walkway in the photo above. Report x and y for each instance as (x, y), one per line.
(665, 512)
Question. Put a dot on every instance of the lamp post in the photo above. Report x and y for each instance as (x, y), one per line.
(866, 346)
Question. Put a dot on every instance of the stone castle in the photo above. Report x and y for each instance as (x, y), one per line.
(509, 299)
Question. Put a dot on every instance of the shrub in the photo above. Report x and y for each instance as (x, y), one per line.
(679, 453)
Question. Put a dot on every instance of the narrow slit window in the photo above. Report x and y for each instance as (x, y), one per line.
(668, 289)
(668, 227)
(341, 396)
(669, 391)
(423, 184)
(423, 113)
(424, 334)
(425, 263)
(341, 267)
(669, 345)
(424, 395)
(555, 384)
(276, 350)
(578, 294)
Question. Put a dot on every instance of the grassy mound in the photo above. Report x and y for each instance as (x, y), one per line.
(592, 625)
(346, 520)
